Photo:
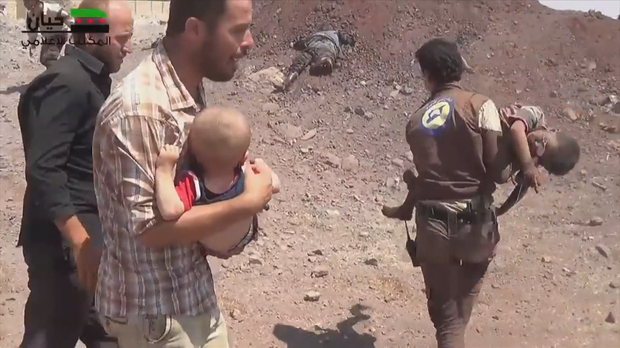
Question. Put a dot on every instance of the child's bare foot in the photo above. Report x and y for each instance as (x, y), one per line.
(409, 178)
(400, 213)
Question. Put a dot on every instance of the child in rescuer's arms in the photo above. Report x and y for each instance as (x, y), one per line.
(532, 144)
(218, 144)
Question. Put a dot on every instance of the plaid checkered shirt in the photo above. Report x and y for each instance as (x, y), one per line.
(149, 108)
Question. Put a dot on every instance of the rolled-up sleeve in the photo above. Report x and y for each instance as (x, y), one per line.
(489, 118)
(58, 116)
(130, 146)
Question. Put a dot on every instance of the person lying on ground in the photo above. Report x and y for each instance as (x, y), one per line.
(532, 144)
(213, 171)
(320, 51)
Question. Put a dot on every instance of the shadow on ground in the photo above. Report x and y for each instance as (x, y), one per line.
(344, 337)
(10, 90)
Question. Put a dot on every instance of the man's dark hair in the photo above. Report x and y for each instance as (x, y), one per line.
(440, 60)
(565, 156)
(208, 11)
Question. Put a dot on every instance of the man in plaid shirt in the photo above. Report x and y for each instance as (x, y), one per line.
(155, 289)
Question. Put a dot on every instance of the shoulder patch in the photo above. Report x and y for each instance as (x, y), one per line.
(437, 115)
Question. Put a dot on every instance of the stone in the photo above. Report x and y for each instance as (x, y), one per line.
(271, 76)
(289, 131)
(309, 135)
(350, 163)
(570, 114)
(603, 250)
(359, 111)
(255, 260)
(319, 272)
(372, 262)
(398, 162)
(610, 318)
(312, 296)
(406, 91)
(409, 156)
(595, 221)
(270, 108)
(331, 160)
(235, 314)
(332, 212)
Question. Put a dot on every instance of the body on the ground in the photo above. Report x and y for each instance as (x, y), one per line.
(320, 50)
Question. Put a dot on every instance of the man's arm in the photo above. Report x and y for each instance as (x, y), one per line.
(134, 148)
(495, 153)
(51, 133)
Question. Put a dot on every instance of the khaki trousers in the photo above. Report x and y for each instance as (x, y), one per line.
(165, 331)
(450, 256)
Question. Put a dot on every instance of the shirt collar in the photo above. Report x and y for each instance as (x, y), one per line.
(178, 95)
(86, 59)
(447, 86)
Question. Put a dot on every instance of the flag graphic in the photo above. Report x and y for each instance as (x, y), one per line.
(89, 20)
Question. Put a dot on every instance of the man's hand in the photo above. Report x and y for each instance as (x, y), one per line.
(168, 157)
(87, 260)
(258, 184)
(275, 183)
(401, 212)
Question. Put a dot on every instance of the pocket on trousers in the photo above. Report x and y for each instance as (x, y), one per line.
(475, 243)
(156, 327)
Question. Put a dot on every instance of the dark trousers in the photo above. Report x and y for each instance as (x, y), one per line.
(59, 310)
(312, 57)
(451, 256)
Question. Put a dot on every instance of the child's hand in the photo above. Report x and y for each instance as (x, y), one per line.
(533, 177)
(168, 157)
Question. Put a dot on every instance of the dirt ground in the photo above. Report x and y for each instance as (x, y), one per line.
(338, 145)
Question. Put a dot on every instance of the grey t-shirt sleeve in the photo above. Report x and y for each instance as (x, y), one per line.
(533, 117)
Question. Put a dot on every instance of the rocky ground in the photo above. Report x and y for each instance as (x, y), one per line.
(329, 270)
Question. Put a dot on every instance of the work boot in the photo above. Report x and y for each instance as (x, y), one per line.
(288, 81)
(326, 65)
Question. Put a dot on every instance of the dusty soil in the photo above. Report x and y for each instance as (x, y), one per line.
(337, 143)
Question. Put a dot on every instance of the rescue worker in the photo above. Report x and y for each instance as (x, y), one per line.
(38, 11)
(455, 140)
(319, 50)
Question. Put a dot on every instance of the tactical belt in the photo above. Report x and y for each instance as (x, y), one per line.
(442, 214)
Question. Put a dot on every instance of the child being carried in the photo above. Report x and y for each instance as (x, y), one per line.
(218, 144)
(532, 145)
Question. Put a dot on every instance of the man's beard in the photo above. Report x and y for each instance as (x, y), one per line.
(211, 68)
